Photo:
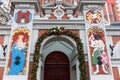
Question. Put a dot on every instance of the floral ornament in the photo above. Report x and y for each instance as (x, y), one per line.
(93, 16)
(59, 31)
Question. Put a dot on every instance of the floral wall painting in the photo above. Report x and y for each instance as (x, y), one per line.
(98, 52)
(23, 17)
(93, 17)
(18, 52)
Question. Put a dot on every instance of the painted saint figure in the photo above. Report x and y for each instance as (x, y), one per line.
(99, 57)
(18, 56)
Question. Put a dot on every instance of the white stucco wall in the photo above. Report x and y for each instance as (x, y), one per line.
(57, 46)
(33, 41)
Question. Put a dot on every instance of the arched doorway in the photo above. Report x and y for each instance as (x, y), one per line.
(46, 40)
(56, 67)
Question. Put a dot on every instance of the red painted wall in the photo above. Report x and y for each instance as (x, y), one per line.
(115, 73)
(115, 39)
(1, 72)
(1, 39)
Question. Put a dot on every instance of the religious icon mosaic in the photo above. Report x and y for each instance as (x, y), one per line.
(98, 51)
(18, 51)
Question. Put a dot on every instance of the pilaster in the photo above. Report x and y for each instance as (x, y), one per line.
(18, 54)
(98, 54)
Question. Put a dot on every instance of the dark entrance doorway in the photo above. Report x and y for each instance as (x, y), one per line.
(57, 67)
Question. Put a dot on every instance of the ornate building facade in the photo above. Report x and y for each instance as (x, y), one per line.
(59, 40)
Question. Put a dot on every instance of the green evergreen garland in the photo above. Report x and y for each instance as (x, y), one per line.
(59, 31)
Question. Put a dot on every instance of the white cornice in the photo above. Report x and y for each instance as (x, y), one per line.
(115, 62)
(68, 24)
(56, 22)
(51, 5)
(83, 3)
(2, 62)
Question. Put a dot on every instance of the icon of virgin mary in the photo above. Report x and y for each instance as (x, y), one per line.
(18, 56)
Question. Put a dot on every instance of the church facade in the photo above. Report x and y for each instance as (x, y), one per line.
(58, 40)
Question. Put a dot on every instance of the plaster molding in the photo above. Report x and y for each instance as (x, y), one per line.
(24, 6)
(57, 22)
(91, 3)
(2, 61)
(93, 7)
(51, 5)
(5, 15)
(68, 24)
(35, 3)
(115, 62)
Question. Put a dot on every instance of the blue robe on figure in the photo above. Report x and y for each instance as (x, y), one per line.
(18, 60)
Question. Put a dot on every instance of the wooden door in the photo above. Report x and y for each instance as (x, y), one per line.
(57, 67)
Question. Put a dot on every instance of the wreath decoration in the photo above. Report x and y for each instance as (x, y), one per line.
(59, 31)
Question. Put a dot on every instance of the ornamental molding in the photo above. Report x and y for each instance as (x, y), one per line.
(24, 2)
(2, 62)
(58, 22)
(115, 62)
(5, 15)
(24, 6)
(78, 24)
(59, 13)
(93, 7)
(83, 3)
(58, 8)
(51, 5)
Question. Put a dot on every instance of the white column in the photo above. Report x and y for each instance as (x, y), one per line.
(77, 70)
(108, 17)
(119, 70)
(111, 9)
(39, 70)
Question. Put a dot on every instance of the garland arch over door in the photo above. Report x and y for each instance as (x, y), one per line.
(59, 31)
